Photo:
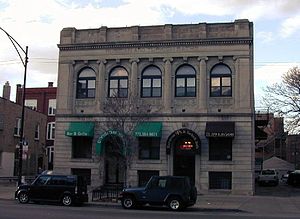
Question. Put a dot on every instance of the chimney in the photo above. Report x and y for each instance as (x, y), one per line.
(50, 84)
(6, 91)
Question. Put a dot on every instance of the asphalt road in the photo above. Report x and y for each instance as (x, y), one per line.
(13, 210)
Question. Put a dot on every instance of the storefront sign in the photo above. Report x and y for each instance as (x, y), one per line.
(219, 134)
(195, 144)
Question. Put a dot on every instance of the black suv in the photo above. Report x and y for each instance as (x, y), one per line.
(65, 189)
(294, 178)
(176, 192)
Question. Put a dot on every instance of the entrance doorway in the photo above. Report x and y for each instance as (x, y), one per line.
(184, 158)
(114, 161)
(184, 144)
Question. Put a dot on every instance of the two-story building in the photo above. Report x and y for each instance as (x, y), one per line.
(43, 100)
(10, 130)
(197, 80)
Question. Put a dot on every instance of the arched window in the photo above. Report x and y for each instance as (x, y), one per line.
(220, 81)
(118, 83)
(86, 83)
(185, 81)
(151, 82)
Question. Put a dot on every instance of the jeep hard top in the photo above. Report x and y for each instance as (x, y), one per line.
(176, 192)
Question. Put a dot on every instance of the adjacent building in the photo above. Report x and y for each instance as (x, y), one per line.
(42, 99)
(34, 132)
(196, 81)
(293, 150)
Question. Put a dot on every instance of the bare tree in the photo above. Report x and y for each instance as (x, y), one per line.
(123, 115)
(284, 98)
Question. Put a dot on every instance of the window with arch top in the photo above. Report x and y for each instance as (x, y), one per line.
(118, 83)
(86, 83)
(151, 82)
(185, 80)
(220, 81)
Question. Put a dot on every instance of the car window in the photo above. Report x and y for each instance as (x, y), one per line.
(268, 172)
(71, 180)
(177, 183)
(57, 180)
(42, 180)
(162, 183)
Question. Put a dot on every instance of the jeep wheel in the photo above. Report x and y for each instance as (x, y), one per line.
(67, 200)
(174, 203)
(23, 197)
(128, 202)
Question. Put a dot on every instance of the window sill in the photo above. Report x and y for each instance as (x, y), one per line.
(148, 161)
(82, 160)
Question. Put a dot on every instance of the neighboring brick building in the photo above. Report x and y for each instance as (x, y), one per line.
(198, 81)
(43, 99)
(293, 150)
(34, 132)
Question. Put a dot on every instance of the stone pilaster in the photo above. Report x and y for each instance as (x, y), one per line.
(133, 81)
(100, 86)
(236, 82)
(203, 88)
(167, 85)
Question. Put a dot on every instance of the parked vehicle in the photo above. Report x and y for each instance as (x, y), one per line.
(64, 189)
(268, 177)
(294, 178)
(176, 192)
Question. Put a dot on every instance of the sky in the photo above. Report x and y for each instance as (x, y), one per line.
(37, 24)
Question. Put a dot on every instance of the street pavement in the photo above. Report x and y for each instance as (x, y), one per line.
(282, 201)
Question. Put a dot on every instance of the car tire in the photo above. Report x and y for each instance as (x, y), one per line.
(67, 200)
(128, 202)
(23, 197)
(174, 203)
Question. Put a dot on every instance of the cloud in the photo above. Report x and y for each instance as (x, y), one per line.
(290, 26)
(267, 75)
(265, 37)
(272, 72)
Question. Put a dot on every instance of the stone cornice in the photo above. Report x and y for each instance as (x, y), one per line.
(149, 44)
(101, 115)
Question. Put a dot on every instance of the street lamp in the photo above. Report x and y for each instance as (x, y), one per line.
(19, 49)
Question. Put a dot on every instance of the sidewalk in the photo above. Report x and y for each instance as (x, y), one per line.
(257, 205)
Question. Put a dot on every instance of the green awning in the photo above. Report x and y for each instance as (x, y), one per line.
(148, 129)
(102, 137)
(85, 129)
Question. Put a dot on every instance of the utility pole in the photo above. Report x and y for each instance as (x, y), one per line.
(24, 61)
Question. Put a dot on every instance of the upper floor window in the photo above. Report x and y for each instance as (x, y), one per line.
(32, 104)
(151, 82)
(37, 132)
(86, 83)
(52, 107)
(220, 81)
(51, 131)
(17, 129)
(185, 80)
(118, 83)
(1, 122)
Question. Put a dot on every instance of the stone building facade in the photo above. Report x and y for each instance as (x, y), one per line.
(197, 80)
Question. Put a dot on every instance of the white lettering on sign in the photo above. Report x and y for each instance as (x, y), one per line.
(219, 134)
(77, 133)
(147, 134)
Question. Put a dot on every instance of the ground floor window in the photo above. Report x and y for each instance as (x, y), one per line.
(145, 175)
(82, 147)
(85, 173)
(220, 149)
(149, 148)
(220, 180)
